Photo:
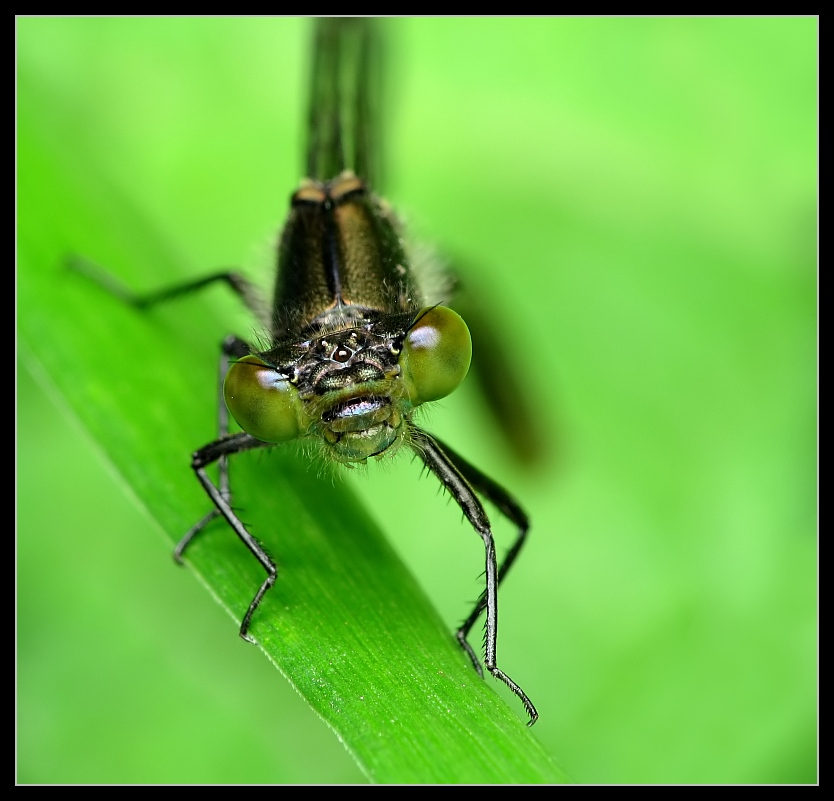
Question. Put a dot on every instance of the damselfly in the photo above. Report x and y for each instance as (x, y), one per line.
(356, 343)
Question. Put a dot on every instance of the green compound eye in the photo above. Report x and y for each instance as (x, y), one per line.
(436, 355)
(263, 402)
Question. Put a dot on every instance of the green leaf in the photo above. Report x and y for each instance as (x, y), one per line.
(346, 623)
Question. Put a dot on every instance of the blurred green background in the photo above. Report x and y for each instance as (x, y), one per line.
(637, 200)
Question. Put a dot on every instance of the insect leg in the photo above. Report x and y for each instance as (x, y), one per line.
(507, 505)
(447, 467)
(232, 347)
(213, 452)
(243, 288)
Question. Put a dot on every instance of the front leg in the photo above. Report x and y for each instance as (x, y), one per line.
(220, 494)
(451, 476)
(508, 506)
(213, 452)
(232, 347)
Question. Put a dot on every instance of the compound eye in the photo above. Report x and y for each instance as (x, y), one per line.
(436, 355)
(262, 401)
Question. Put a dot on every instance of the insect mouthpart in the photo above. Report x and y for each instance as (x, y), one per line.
(357, 414)
(361, 427)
